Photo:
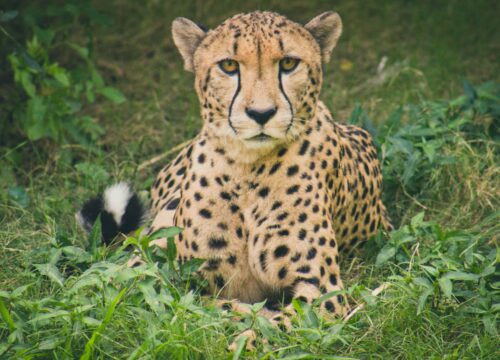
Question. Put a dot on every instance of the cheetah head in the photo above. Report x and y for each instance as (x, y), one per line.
(257, 75)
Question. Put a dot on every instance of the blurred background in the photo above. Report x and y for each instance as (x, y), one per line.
(391, 52)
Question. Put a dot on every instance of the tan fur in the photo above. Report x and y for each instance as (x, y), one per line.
(269, 216)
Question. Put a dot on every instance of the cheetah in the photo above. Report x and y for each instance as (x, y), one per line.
(271, 190)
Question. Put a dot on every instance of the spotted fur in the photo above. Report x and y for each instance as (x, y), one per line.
(270, 206)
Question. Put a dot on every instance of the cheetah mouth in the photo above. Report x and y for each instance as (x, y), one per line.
(261, 137)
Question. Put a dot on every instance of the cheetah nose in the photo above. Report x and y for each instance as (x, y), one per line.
(261, 117)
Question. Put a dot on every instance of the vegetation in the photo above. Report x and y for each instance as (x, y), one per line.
(89, 91)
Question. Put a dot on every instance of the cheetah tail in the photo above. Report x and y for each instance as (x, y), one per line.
(119, 208)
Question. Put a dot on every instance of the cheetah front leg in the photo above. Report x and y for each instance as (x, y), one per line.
(303, 260)
(320, 280)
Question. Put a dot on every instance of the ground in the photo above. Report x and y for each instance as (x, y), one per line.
(441, 159)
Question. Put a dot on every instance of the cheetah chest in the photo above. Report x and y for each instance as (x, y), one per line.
(250, 222)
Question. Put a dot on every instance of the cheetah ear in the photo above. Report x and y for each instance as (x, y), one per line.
(187, 36)
(326, 29)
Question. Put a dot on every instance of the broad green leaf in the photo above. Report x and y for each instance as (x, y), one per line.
(423, 282)
(49, 315)
(80, 50)
(422, 299)
(27, 83)
(77, 254)
(62, 78)
(165, 232)
(171, 249)
(417, 220)
(90, 321)
(95, 237)
(192, 265)
(151, 296)
(258, 306)
(6, 316)
(490, 325)
(87, 280)
(112, 94)
(385, 254)
(446, 286)
(460, 275)
(50, 343)
(431, 270)
(34, 122)
(52, 272)
(240, 345)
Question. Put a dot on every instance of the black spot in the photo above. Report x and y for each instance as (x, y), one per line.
(225, 195)
(222, 226)
(212, 264)
(312, 281)
(181, 171)
(173, 204)
(205, 213)
(276, 205)
(203, 181)
(282, 273)
(262, 260)
(263, 192)
(329, 306)
(281, 251)
(234, 208)
(295, 257)
(219, 281)
(274, 168)
(304, 269)
(232, 259)
(302, 234)
(217, 243)
(311, 254)
(282, 152)
(292, 189)
(292, 170)
(333, 279)
(302, 217)
(282, 216)
(303, 147)
(283, 233)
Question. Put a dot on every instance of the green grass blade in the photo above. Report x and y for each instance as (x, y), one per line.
(89, 347)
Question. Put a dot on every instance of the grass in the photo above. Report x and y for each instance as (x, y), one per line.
(438, 141)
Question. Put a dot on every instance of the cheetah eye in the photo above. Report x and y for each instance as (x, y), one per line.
(288, 64)
(229, 66)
